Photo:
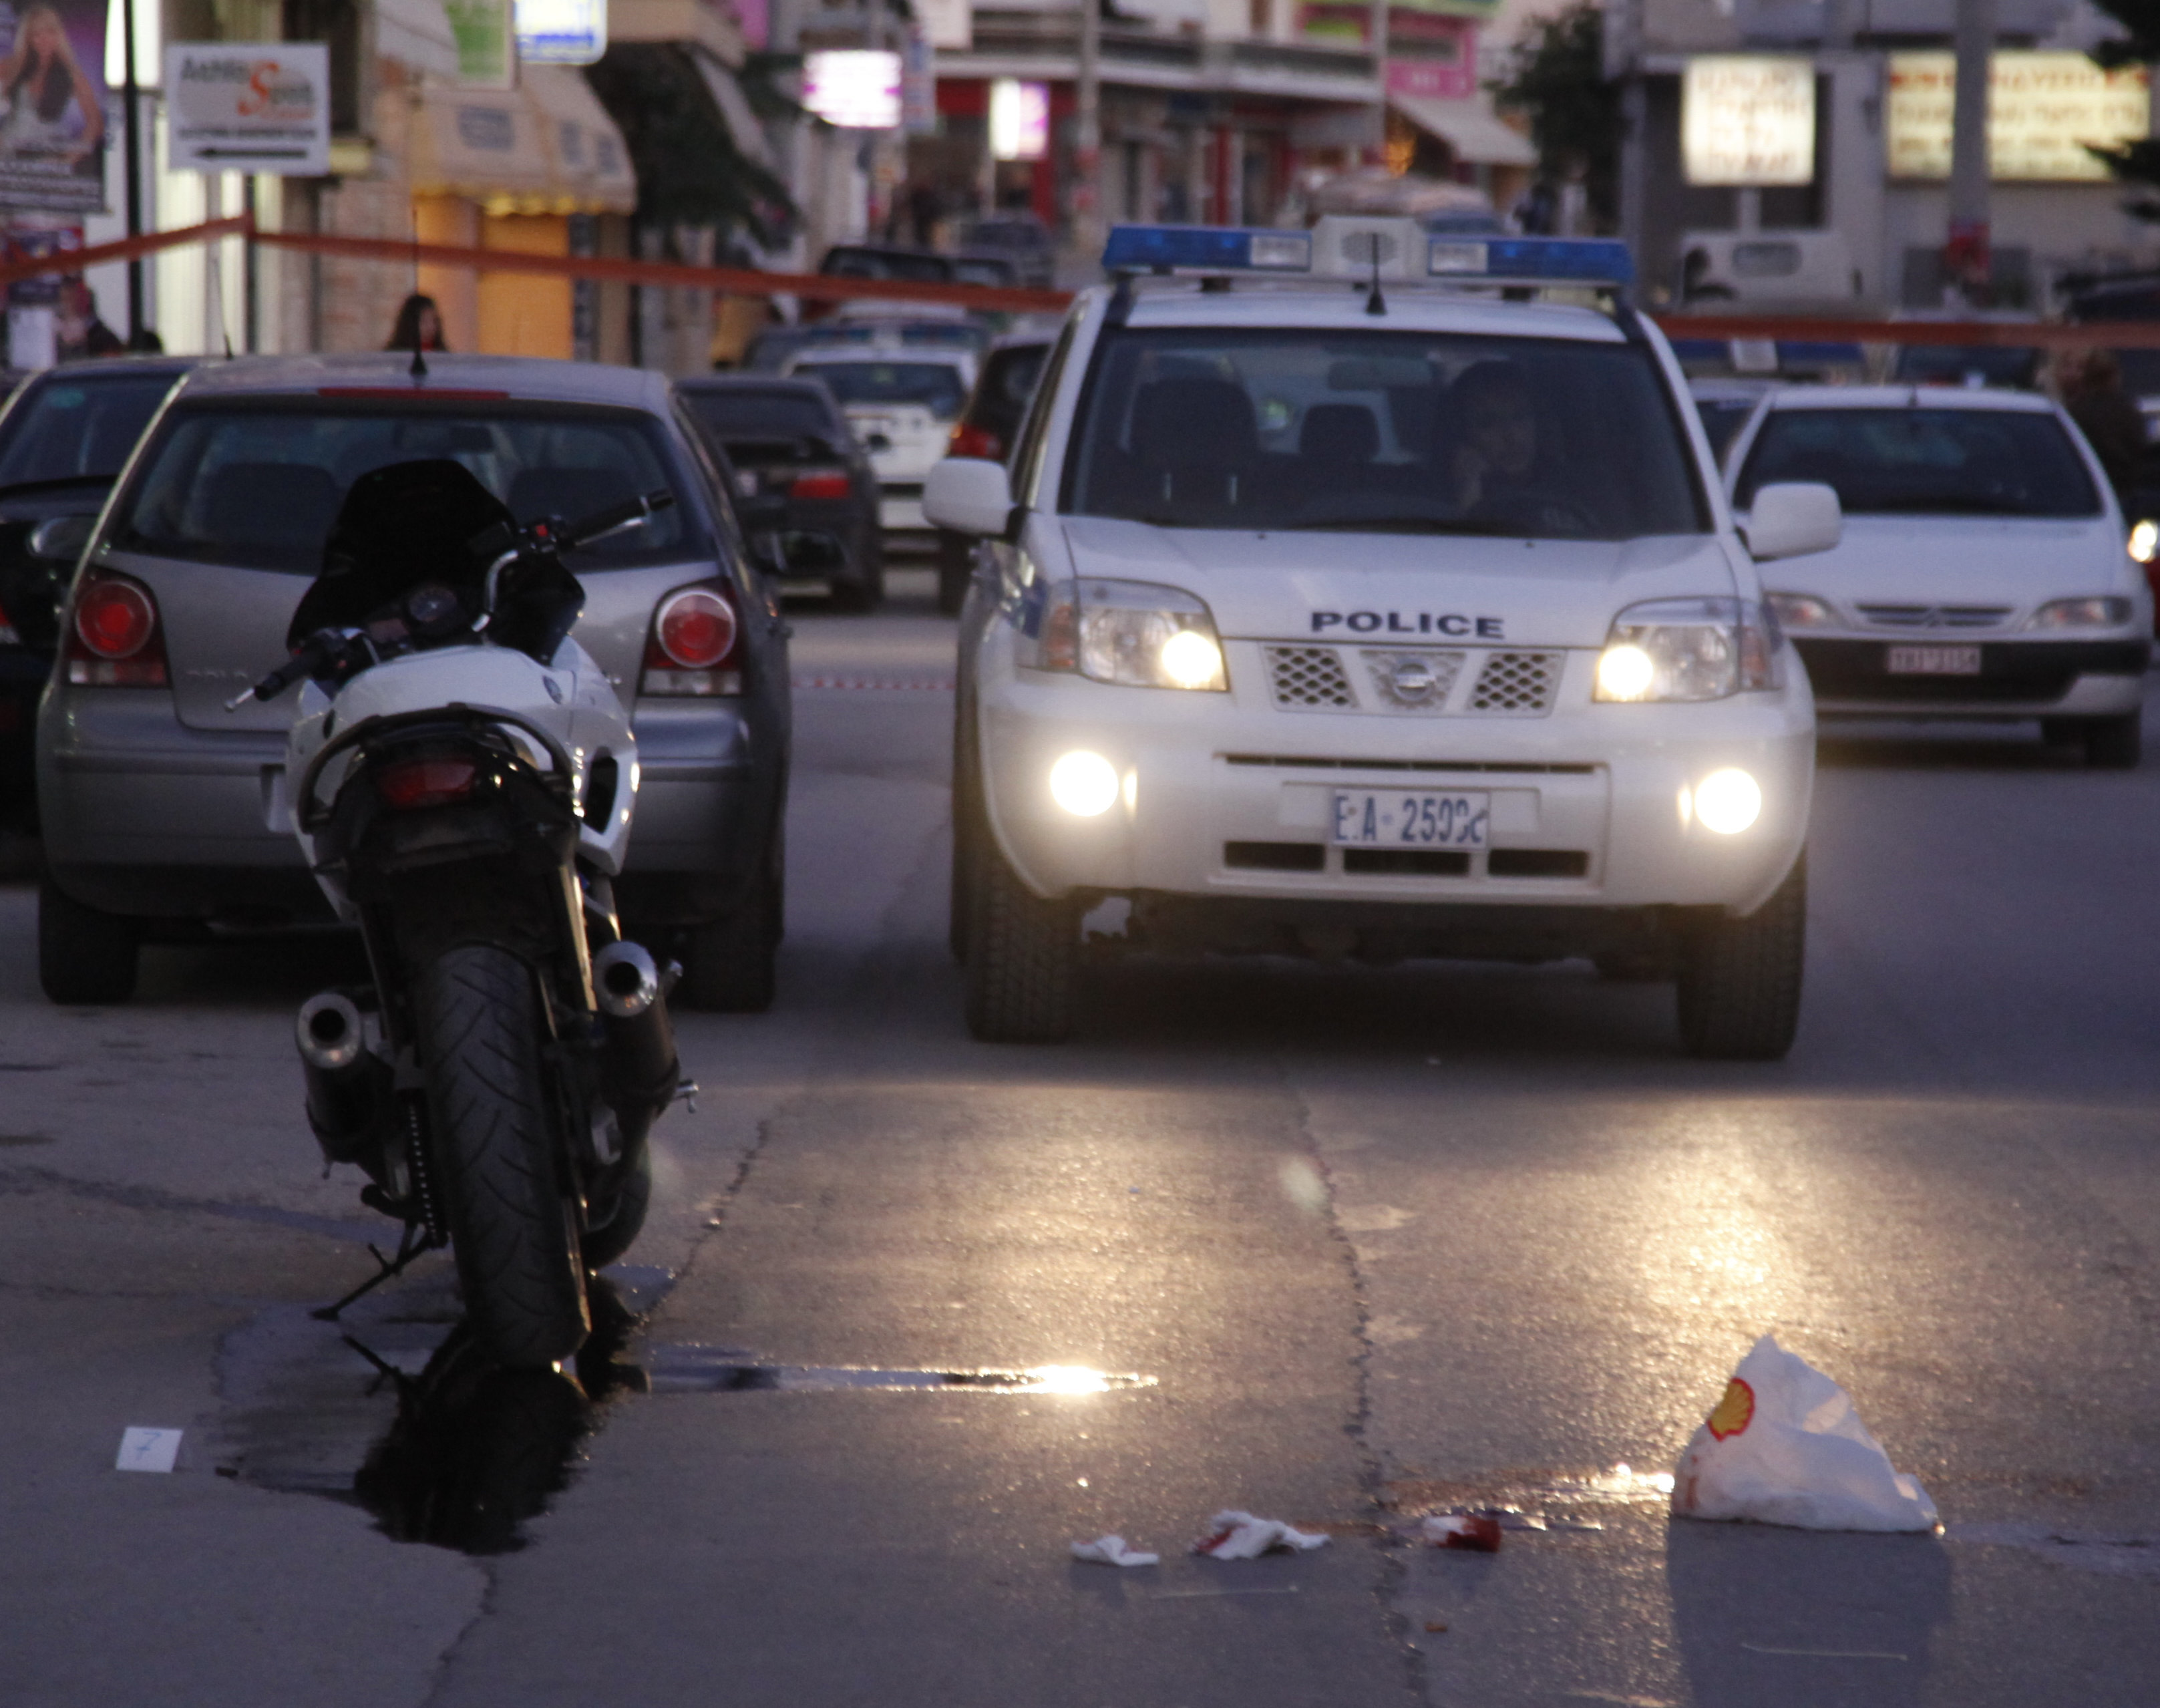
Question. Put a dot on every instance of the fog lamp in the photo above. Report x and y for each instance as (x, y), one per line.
(1728, 801)
(1084, 784)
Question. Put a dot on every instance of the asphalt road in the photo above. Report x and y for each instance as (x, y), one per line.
(1385, 1242)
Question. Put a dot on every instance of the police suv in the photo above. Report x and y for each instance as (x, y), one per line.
(1357, 592)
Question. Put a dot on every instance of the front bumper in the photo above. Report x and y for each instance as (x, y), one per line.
(1225, 796)
(145, 817)
(2017, 678)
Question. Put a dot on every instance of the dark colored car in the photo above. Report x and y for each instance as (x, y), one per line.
(986, 428)
(896, 261)
(1021, 238)
(63, 438)
(787, 438)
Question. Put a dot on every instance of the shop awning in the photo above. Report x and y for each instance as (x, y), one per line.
(1470, 127)
(735, 109)
(546, 147)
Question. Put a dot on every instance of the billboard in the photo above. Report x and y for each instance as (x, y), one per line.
(249, 106)
(1020, 120)
(561, 32)
(52, 89)
(1748, 121)
(853, 89)
(2043, 108)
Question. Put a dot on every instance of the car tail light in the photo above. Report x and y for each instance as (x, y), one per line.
(8, 637)
(412, 783)
(820, 483)
(114, 637)
(695, 644)
(971, 441)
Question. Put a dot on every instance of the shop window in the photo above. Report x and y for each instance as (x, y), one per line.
(336, 21)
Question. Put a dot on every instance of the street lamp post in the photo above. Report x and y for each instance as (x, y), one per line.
(1966, 264)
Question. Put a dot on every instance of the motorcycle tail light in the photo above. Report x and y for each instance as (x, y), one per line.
(114, 638)
(971, 441)
(820, 483)
(695, 645)
(412, 783)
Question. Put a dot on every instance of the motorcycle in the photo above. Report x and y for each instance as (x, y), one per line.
(462, 779)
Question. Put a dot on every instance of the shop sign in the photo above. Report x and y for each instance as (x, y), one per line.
(1019, 119)
(249, 106)
(487, 51)
(561, 32)
(918, 85)
(949, 23)
(1432, 80)
(854, 89)
(2043, 109)
(52, 148)
(1748, 121)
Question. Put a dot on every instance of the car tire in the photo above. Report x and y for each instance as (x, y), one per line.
(956, 568)
(1023, 957)
(85, 955)
(733, 962)
(1739, 980)
(2114, 743)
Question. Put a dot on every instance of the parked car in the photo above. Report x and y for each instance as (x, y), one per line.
(165, 815)
(1724, 406)
(986, 428)
(1019, 238)
(869, 324)
(787, 438)
(63, 438)
(1981, 573)
(899, 260)
(902, 402)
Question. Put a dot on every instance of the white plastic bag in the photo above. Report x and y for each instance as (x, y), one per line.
(1784, 1446)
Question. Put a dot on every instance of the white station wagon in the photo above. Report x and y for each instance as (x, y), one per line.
(1982, 573)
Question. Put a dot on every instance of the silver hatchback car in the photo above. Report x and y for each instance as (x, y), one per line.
(165, 815)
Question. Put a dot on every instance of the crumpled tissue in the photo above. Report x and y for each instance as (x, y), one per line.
(1111, 1551)
(1235, 1535)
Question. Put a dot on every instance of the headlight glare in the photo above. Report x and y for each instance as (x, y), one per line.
(1695, 649)
(1084, 784)
(2093, 613)
(1131, 633)
(1191, 659)
(2145, 541)
(1728, 801)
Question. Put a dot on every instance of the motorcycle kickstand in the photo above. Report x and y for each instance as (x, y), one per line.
(409, 1249)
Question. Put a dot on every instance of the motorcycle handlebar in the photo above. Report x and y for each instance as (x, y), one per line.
(618, 516)
(313, 653)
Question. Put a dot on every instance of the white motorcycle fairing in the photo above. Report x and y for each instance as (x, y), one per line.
(570, 697)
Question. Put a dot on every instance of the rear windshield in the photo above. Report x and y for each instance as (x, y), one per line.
(258, 488)
(69, 428)
(1925, 462)
(732, 415)
(1967, 365)
(1382, 433)
(885, 263)
(937, 386)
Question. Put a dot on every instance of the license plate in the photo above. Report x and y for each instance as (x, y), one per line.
(1409, 818)
(1935, 661)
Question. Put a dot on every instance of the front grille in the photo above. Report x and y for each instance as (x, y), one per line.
(1517, 684)
(1406, 862)
(1509, 767)
(1936, 617)
(1309, 678)
(1275, 856)
(1412, 682)
(1537, 863)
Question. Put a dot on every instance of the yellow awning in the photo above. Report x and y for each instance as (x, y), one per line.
(546, 147)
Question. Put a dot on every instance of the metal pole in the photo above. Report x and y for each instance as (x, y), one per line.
(1967, 265)
(131, 136)
(1087, 131)
(249, 287)
(1379, 35)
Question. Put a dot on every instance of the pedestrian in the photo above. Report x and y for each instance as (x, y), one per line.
(76, 329)
(2090, 381)
(419, 326)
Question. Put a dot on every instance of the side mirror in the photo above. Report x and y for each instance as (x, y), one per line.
(60, 539)
(1792, 519)
(969, 496)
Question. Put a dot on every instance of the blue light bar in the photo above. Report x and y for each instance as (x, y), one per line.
(1206, 249)
(1556, 260)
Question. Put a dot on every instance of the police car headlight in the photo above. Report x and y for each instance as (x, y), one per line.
(1689, 649)
(1131, 633)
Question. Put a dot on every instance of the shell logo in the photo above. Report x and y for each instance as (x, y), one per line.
(1734, 1413)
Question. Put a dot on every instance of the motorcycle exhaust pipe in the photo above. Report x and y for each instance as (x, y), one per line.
(342, 1076)
(642, 1070)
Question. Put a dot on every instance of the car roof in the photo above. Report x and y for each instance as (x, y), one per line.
(116, 367)
(1911, 397)
(1340, 306)
(518, 378)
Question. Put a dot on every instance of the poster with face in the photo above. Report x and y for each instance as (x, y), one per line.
(52, 106)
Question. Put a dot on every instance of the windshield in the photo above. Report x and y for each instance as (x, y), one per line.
(732, 416)
(1925, 462)
(258, 487)
(66, 429)
(1382, 433)
(1966, 365)
(935, 387)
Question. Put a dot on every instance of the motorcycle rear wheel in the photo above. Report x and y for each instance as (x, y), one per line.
(497, 1143)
